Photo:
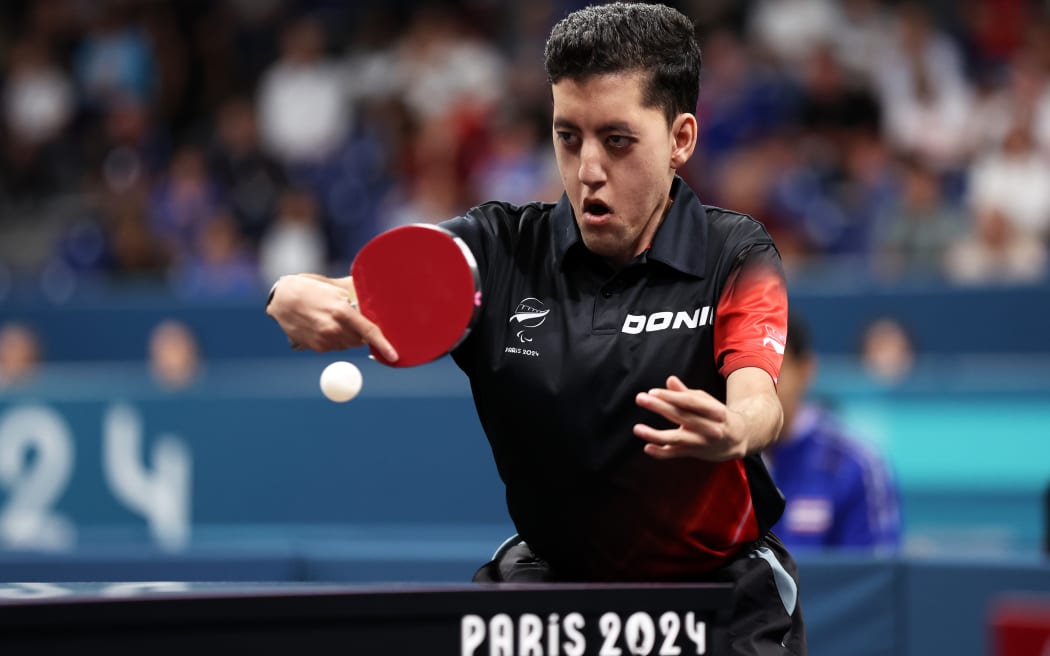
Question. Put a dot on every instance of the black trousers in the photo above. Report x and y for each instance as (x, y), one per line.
(766, 618)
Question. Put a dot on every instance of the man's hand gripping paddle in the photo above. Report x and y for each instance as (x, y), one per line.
(419, 283)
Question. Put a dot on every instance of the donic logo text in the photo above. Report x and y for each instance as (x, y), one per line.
(651, 323)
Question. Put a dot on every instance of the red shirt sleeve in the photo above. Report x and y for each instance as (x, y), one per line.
(751, 318)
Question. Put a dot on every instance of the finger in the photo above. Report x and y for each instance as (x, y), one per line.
(702, 427)
(666, 437)
(373, 336)
(696, 402)
(363, 331)
(649, 434)
(670, 443)
(688, 405)
(663, 452)
(653, 403)
(675, 383)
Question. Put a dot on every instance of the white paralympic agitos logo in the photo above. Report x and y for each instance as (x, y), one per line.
(530, 313)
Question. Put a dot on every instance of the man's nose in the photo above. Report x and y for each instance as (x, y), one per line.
(592, 164)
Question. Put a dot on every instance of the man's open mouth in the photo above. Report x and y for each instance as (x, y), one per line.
(597, 208)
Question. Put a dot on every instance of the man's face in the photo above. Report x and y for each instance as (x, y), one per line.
(617, 159)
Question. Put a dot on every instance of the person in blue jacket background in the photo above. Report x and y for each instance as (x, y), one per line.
(840, 491)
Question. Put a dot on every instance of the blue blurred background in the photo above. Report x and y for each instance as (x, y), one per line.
(163, 162)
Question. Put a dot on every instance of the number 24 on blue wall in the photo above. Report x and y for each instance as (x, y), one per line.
(36, 464)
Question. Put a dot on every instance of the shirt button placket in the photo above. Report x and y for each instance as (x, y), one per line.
(606, 311)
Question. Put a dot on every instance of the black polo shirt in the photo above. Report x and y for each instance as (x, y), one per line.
(565, 342)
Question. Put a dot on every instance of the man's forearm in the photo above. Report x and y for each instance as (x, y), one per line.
(757, 414)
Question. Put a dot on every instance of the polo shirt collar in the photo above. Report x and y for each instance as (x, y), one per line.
(566, 232)
(680, 241)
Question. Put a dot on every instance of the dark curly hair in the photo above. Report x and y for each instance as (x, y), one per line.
(623, 37)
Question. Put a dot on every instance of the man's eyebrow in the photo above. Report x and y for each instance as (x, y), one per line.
(606, 128)
(617, 127)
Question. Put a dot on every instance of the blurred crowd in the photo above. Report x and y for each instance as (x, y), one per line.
(213, 146)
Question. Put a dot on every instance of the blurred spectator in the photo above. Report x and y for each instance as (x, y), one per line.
(295, 242)
(791, 29)
(523, 46)
(887, 351)
(996, 252)
(174, 355)
(922, 87)
(840, 492)
(518, 166)
(304, 110)
(38, 95)
(251, 178)
(839, 177)
(219, 265)
(929, 121)
(432, 191)
(20, 354)
(1010, 201)
(307, 120)
(867, 193)
(38, 106)
(834, 104)
(994, 31)
(444, 69)
(125, 146)
(115, 61)
(835, 205)
(1012, 179)
(743, 101)
(861, 35)
(1020, 95)
(184, 201)
(134, 251)
(236, 41)
(916, 233)
(451, 83)
(743, 181)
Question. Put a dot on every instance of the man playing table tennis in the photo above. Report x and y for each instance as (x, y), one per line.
(624, 362)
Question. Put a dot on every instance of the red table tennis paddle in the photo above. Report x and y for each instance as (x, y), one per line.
(419, 283)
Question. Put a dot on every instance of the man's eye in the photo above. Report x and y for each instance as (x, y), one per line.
(567, 138)
(617, 141)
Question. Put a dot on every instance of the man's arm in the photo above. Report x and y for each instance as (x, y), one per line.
(752, 397)
(750, 323)
(707, 429)
(321, 314)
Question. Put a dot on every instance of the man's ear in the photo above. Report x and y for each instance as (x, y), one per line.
(684, 132)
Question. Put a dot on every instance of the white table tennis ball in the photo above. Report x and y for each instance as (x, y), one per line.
(341, 381)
